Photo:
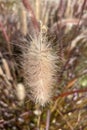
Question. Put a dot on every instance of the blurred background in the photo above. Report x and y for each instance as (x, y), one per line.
(65, 22)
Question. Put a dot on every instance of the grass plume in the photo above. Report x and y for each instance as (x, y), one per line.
(40, 69)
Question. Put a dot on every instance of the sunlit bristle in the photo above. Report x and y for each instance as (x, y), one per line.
(39, 65)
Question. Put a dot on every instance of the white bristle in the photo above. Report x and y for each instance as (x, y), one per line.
(39, 65)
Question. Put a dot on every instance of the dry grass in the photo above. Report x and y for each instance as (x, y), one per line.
(65, 23)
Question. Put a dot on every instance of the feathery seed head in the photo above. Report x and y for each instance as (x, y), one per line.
(40, 68)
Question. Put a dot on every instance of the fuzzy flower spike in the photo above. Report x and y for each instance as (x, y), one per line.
(40, 69)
